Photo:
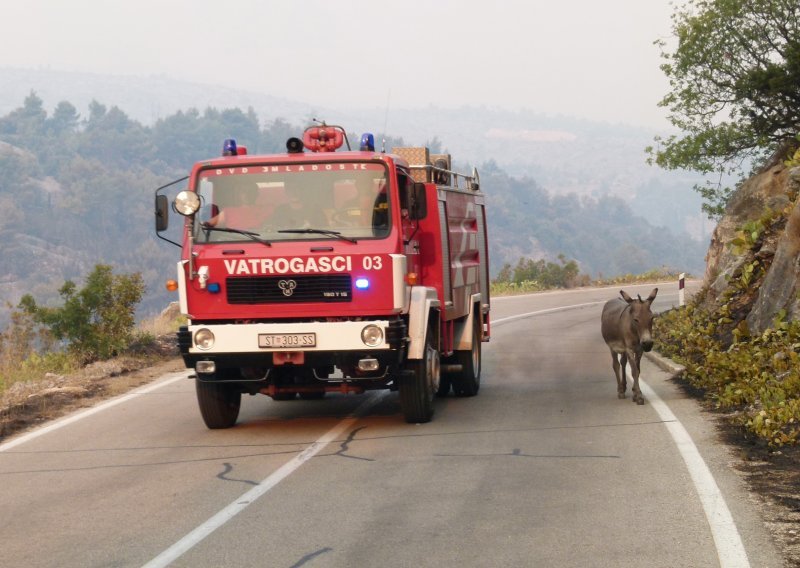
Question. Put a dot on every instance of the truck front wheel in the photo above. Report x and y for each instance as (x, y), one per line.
(219, 403)
(468, 381)
(419, 384)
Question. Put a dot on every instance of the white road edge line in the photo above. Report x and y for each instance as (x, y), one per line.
(547, 311)
(201, 532)
(730, 549)
(181, 375)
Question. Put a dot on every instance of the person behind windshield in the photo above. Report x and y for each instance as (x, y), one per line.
(367, 209)
(299, 211)
(242, 213)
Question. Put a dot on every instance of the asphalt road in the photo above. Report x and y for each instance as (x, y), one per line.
(545, 467)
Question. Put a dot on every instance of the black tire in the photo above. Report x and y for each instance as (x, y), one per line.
(420, 383)
(468, 381)
(219, 403)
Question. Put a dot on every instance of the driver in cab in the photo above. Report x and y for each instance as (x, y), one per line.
(241, 213)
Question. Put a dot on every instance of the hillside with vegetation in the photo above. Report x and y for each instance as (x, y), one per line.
(77, 191)
(739, 339)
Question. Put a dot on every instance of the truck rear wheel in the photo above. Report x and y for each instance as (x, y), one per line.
(419, 385)
(219, 403)
(468, 381)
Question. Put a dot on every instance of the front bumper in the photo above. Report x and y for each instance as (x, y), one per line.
(329, 336)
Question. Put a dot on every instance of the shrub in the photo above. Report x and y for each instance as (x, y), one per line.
(757, 377)
(534, 275)
(96, 321)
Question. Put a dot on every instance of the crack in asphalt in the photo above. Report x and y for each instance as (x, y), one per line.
(415, 435)
(311, 556)
(228, 469)
(146, 464)
(344, 446)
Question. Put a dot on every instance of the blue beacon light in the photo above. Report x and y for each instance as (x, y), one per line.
(229, 147)
(367, 142)
(362, 283)
(213, 287)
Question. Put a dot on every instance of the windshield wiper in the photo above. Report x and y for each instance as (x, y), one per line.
(334, 234)
(250, 234)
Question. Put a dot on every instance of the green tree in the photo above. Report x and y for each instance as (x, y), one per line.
(65, 119)
(97, 321)
(179, 140)
(274, 136)
(504, 275)
(546, 274)
(734, 77)
(113, 139)
(19, 339)
(25, 126)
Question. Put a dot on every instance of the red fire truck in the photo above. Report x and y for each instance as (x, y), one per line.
(323, 270)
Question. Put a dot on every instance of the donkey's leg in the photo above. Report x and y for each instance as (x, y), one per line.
(622, 380)
(636, 359)
(615, 365)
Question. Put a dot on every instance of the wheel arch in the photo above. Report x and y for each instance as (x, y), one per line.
(462, 329)
(424, 305)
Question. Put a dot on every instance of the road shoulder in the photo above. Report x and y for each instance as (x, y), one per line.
(769, 481)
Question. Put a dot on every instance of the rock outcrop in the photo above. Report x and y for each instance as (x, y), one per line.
(779, 290)
(777, 250)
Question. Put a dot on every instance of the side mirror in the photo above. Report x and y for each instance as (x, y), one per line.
(419, 203)
(162, 213)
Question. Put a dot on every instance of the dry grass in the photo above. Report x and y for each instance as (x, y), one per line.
(39, 387)
(28, 403)
(165, 323)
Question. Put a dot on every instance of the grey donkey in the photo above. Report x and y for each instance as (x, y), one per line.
(626, 325)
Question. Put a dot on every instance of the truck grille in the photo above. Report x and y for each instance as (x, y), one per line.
(282, 289)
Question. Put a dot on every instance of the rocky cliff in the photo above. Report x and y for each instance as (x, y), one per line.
(753, 261)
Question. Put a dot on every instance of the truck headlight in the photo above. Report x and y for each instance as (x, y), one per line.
(187, 202)
(372, 335)
(204, 338)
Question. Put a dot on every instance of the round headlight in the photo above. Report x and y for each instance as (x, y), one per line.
(372, 335)
(187, 203)
(204, 339)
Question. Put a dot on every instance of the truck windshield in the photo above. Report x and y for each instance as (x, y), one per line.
(293, 202)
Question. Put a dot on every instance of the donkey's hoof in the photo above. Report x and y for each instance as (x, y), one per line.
(620, 395)
(638, 399)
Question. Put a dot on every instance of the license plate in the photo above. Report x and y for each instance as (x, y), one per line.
(287, 340)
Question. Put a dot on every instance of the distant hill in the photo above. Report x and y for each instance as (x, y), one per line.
(145, 99)
(78, 190)
(564, 154)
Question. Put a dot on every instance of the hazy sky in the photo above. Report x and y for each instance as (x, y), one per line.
(586, 58)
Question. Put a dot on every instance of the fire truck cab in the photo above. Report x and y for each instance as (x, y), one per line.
(326, 270)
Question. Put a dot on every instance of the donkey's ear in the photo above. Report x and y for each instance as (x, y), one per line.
(625, 296)
(652, 296)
